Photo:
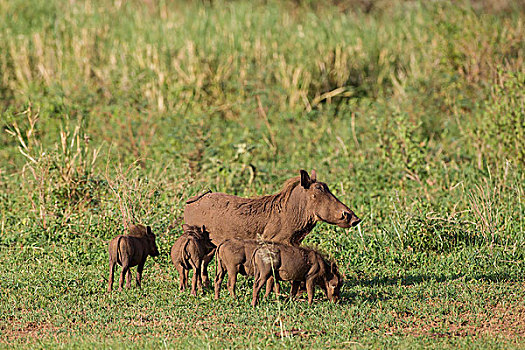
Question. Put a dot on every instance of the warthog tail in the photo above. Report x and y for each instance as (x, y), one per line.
(269, 256)
(119, 261)
(185, 254)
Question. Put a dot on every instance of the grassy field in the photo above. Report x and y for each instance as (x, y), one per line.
(117, 111)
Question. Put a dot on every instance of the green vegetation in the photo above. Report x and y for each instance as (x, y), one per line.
(412, 113)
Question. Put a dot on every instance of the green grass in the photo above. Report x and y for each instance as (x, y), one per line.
(412, 113)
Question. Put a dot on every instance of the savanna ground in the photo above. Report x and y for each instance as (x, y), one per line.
(412, 112)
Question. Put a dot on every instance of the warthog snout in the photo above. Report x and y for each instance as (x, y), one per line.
(351, 218)
(348, 219)
(155, 252)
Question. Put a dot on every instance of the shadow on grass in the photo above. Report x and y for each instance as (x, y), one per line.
(422, 278)
(411, 280)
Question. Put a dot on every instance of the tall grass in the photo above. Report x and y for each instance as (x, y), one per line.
(395, 100)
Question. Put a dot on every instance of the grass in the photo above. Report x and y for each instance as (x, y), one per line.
(435, 305)
(412, 113)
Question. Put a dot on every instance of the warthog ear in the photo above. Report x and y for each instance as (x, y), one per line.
(313, 176)
(333, 267)
(305, 179)
(148, 230)
(203, 228)
(186, 227)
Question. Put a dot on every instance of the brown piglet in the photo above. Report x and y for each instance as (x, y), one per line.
(234, 256)
(295, 264)
(131, 250)
(189, 252)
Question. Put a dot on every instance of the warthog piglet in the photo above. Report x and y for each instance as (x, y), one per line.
(188, 252)
(131, 250)
(295, 264)
(234, 256)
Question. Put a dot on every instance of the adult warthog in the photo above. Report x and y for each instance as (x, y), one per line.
(285, 217)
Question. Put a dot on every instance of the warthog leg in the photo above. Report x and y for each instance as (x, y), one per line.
(125, 269)
(204, 268)
(295, 289)
(221, 272)
(196, 277)
(183, 275)
(310, 288)
(111, 274)
(128, 279)
(199, 282)
(186, 278)
(260, 279)
(272, 284)
(232, 281)
(138, 278)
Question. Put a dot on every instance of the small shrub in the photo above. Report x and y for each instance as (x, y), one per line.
(60, 179)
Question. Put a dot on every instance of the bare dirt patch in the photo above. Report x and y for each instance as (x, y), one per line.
(497, 321)
(15, 331)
